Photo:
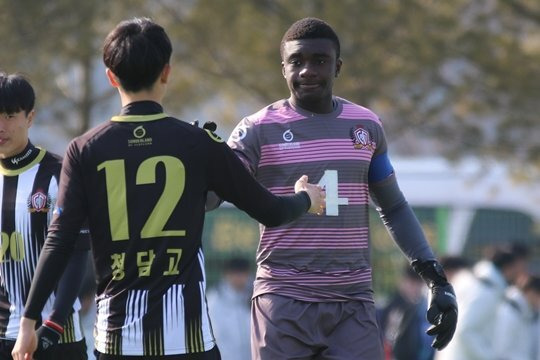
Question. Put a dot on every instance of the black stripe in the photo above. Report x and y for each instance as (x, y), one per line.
(9, 195)
(38, 219)
(193, 317)
(153, 325)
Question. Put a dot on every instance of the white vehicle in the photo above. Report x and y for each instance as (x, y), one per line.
(475, 203)
(463, 208)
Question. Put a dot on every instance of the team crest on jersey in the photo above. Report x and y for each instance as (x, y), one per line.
(39, 202)
(361, 138)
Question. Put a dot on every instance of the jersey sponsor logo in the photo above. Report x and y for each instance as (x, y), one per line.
(39, 202)
(288, 136)
(17, 160)
(139, 134)
(361, 138)
(285, 146)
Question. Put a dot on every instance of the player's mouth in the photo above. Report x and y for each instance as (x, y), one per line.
(3, 141)
(309, 86)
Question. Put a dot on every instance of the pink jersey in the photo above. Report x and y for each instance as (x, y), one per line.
(315, 258)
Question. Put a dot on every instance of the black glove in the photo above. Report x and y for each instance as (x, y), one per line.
(442, 312)
(47, 337)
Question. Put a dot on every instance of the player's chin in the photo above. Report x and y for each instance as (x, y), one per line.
(311, 96)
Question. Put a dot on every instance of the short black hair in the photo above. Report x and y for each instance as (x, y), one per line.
(136, 51)
(310, 28)
(16, 94)
(236, 265)
(521, 250)
(532, 284)
(502, 256)
(454, 263)
(409, 273)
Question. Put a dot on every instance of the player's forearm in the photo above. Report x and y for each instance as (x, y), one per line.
(51, 264)
(234, 183)
(69, 286)
(407, 233)
(285, 209)
(400, 220)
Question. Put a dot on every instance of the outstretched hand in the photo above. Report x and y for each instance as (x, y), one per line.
(316, 194)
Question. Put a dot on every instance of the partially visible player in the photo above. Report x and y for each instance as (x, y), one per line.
(313, 296)
(142, 180)
(29, 182)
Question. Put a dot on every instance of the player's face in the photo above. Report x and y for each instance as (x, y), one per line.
(310, 67)
(14, 132)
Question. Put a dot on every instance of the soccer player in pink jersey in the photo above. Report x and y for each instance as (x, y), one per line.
(313, 297)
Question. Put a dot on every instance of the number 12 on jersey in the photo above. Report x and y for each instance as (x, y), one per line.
(329, 182)
(115, 178)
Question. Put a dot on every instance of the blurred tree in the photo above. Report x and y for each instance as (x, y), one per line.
(457, 78)
(57, 45)
(454, 78)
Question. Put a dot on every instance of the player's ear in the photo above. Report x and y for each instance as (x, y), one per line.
(339, 62)
(283, 69)
(30, 118)
(113, 80)
(165, 73)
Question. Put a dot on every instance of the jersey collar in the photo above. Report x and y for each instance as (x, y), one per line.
(140, 111)
(10, 168)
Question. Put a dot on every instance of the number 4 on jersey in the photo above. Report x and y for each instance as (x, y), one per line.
(329, 182)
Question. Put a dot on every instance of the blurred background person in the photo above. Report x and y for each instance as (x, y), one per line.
(453, 265)
(516, 322)
(229, 306)
(403, 320)
(479, 294)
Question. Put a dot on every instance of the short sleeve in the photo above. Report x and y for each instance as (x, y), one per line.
(244, 141)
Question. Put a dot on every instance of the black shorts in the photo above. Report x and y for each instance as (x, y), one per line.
(207, 355)
(69, 351)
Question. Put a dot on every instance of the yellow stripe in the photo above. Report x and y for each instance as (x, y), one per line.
(139, 118)
(213, 136)
(9, 172)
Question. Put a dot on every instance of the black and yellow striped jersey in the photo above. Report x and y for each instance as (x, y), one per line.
(29, 185)
(142, 180)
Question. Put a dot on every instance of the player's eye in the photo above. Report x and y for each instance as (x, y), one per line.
(7, 116)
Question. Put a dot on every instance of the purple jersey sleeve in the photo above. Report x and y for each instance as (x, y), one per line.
(245, 143)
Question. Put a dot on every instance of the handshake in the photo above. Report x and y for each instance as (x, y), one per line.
(316, 194)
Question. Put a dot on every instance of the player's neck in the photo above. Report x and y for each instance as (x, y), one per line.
(128, 98)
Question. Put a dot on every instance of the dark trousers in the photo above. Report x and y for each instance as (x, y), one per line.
(70, 351)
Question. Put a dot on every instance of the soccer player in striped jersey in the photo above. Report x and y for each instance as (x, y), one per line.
(313, 296)
(142, 180)
(29, 183)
